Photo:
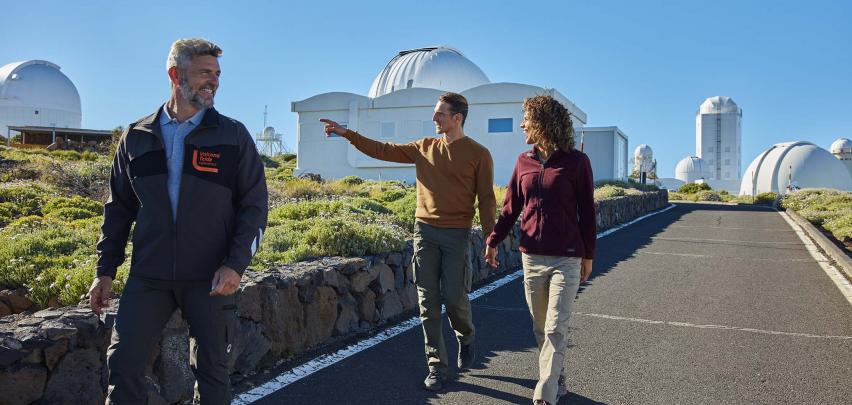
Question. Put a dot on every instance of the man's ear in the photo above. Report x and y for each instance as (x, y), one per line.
(173, 75)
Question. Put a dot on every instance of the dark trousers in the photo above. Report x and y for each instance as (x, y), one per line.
(145, 307)
(441, 269)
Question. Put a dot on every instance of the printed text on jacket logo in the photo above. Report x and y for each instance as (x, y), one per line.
(204, 161)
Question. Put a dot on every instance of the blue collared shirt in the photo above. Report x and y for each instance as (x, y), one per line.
(174, 134)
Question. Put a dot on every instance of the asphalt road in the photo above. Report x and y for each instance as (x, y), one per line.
(699, 304)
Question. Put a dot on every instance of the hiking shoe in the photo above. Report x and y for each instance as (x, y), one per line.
(562, 388)
(434, 381)
(467, 354)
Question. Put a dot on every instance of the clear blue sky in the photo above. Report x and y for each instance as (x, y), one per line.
(644, 66)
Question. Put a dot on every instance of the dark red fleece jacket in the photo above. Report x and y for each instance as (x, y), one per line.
(558, 204)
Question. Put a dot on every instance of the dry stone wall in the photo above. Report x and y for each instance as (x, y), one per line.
(58, 356)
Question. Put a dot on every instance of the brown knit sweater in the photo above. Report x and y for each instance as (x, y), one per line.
(449, 178)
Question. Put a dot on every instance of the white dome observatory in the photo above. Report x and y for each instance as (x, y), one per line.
(842, 150)
(690, 169)
(37, 93)
(798, 164)
(441, 67)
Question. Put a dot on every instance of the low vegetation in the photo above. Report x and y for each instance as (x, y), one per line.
(51, 207)
(697, 192)
(826, 208)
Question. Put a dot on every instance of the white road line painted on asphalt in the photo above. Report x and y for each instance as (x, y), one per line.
(701, 240)
(731, 228)
(693, 255)
(723, 327)
(834, 274)
(297, 373)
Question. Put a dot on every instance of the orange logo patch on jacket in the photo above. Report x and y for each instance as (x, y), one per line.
(205, 161)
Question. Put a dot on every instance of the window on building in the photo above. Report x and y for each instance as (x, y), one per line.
(727, 161)
(727, 148)
(388, 130)
(499, 125)
(342, 124)
(409, 83)
(710, 149)
(36, 112)
(711, 162)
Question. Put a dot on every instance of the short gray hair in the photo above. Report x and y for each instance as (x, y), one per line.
(183, 50)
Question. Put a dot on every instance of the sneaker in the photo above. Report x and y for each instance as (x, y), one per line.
(434, 381)
(467, 354)
(562, 388)
(540, 402)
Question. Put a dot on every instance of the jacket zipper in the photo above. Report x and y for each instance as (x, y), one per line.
(538, 203)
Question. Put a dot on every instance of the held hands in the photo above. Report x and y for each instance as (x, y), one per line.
(491, 256)
(99, 293)
(585, 269)
(225, 281)
(331, 126)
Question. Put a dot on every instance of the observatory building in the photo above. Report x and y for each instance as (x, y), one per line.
(718, 137)
(842, 150)
(37, 93)
(399, 106)
(691, 169)
(39, 103)
(792, 165)
(644, 163)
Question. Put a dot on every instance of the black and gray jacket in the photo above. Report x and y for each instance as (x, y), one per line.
(222, 208)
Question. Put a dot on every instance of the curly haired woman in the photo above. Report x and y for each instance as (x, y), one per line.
(552, 189)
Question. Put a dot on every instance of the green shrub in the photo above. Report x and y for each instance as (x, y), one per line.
(66, 154)
(707, 195)
(269, 162)
(765, 198)
(392, 195)
(70, 214)
(840, 226)
(675, 196)
(352, 180)
(629, 184)
(90, 156)
(87, 179)
(608, 191)
(27, 198)
(346, 234)
(692, 188)
(403, 210)
(87, 204)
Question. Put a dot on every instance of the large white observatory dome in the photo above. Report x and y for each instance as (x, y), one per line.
(691, 168)
(36, 93)
(718, 104)
(441, 68)
(801, 164)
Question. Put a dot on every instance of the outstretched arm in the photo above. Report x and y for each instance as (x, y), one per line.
(392, 152)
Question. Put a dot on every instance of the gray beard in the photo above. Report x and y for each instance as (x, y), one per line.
(193, 96)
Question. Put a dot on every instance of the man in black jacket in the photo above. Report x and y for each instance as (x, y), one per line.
(193, 182)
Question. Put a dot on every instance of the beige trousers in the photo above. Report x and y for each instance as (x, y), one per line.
(550, 285)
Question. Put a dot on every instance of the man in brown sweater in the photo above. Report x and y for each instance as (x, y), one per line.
(452, 172)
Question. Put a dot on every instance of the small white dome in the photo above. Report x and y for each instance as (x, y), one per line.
(841, 145)
(691, 168)
(442, 68)
(800, 164)
(718, 104)
(643, 151)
